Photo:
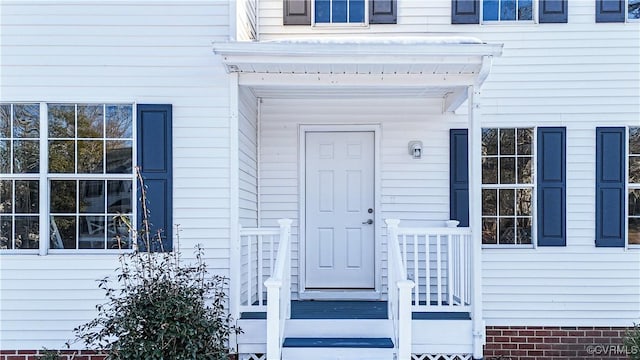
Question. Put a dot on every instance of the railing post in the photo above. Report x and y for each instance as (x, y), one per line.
(404, 319)
(273, 319)
(392, 233)
(285, 235)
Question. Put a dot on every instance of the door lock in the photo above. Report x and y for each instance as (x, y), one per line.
(368, 222)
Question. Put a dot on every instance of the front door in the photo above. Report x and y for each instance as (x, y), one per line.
(339, 214)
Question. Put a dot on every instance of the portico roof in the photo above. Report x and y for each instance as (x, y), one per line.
(360, 66)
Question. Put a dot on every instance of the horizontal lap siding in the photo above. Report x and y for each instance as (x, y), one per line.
(579, 75)
(413, 190)
(248, 158)
(153, 52)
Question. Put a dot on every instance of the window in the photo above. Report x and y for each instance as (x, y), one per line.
(339, 11)
(634, 186)
(507, 186)
(87, 175)
(507, 10)
(633, 10)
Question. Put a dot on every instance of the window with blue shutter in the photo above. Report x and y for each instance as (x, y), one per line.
(468, 11)
(459, 176)
(610, 186)
(155, 162)
(298, 12)
(610, 10)
(551, 183)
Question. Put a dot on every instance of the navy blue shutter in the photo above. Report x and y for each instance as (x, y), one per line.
(552, 194)
(155, 162)
(465, 11)
(610, 10)
(297, 12)
(383, 12)
(553, 11)
(610, 186)
(459, 176)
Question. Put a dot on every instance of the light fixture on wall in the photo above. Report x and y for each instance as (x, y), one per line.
(415, 149)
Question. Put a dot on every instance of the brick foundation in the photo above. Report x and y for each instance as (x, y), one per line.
(555, 343)
(64, 355)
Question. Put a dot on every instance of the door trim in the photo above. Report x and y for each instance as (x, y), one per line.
(303, 129)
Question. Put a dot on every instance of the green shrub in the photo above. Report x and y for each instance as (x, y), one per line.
(632, 342)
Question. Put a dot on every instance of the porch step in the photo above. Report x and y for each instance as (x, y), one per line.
(321, 309)
(332, 348)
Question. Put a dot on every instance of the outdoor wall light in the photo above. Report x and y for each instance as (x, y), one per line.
(415, 149)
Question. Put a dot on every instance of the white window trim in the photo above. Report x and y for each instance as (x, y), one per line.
(534, 192)
(534, 17)
(340, 25)
(45, 177)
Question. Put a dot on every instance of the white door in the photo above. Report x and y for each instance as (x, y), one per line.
(339, 213)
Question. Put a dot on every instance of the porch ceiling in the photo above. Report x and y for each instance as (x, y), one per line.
(439, 67)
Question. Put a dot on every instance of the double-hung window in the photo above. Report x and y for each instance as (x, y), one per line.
(340, 11)
(507, 10)
(68, 167)
(633, 186)
(507, 186)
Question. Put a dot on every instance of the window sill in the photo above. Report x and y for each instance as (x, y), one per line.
(507, 247)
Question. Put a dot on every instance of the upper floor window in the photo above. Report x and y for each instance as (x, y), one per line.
(633, 187)
(339, 11)
(633, 10)
(617, 10)
(507, 10)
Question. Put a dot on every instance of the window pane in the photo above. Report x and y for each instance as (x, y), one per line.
(525, 139)
(119, 196)
(26, 156)
(507, 141)
(356, 11)
(91, 195)
(119, 121)
(489, 202)
(507, 202)
(507, 170)
(508, 10)
(323, 12)
(634, 9)
(634, 139)
(489, 231)
(634, 169)
(490, 171)
(524, 231)
(62, 156)
(63, 232)
(507, 231)
(90, 121)
(6, 196)
(634, 231)
(62, 120)
(6, 231)
(525, 166)
(27, 232)
(339, 11)
(118, 232)
(525, 10)
(26, 121)
(490, 10)
(27, 198)
(5, 121)
(91, 232)
(524, 204)
(63, 196)
(119, 157)
(5, 157)
(90, 155)
(634, 202)
(489, 142)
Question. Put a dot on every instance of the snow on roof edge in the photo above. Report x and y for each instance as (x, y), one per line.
(405, 40)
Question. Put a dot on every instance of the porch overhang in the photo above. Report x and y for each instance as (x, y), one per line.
(438, 67)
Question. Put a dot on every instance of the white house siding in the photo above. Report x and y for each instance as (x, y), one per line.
(580, 75)
(124, 51)
(248, 158)
(416, 191)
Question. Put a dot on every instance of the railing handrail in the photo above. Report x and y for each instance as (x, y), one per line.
(247, 231)
(433, 231)
(279, 293)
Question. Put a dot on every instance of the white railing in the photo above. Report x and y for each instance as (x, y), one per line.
(399, 297)
(257, 254)
(279, 293)
(438, 260)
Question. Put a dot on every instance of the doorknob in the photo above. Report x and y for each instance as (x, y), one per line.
(368, 222)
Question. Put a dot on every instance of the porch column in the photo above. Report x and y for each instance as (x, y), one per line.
(475, 217)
